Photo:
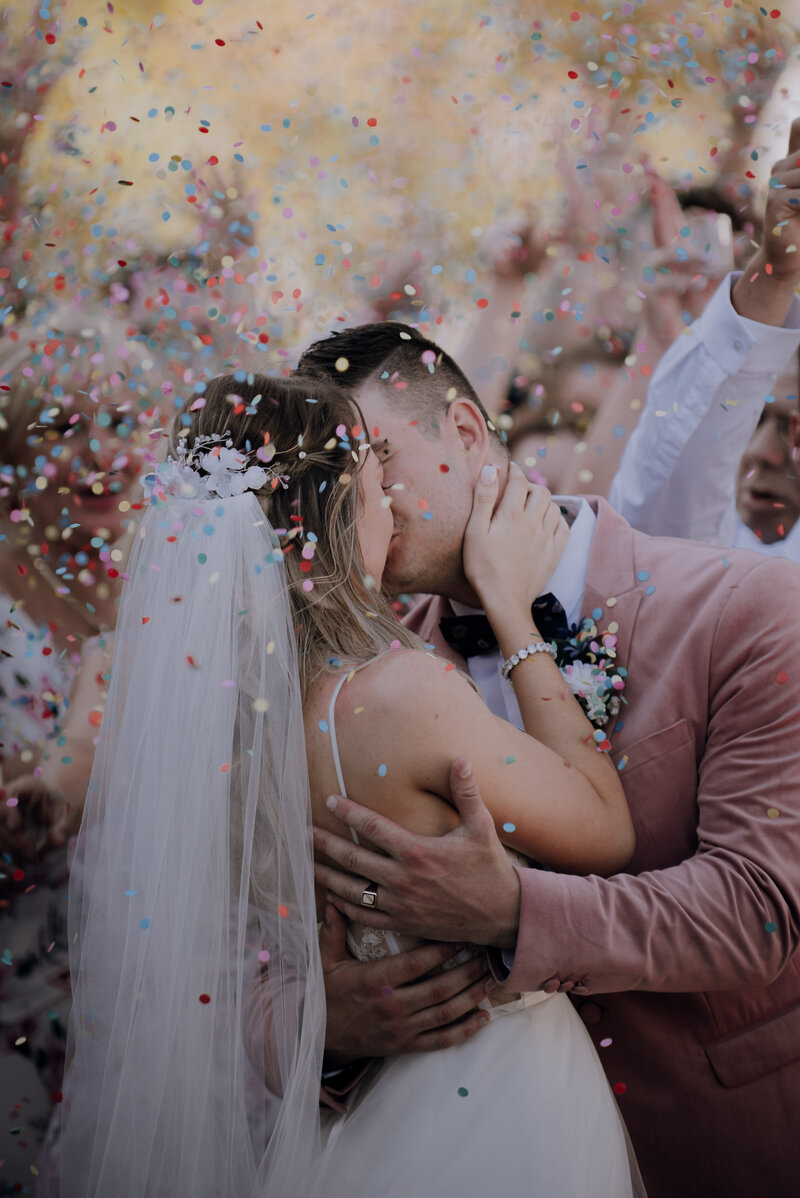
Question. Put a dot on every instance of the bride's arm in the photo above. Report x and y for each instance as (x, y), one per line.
(510, 551)
(404, 719)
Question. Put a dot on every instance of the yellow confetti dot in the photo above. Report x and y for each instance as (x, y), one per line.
(357, 710)
(260, 705)
(613, 627)
(773, 812)
(341, 365)
(611, 602)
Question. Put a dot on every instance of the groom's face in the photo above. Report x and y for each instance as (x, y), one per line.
(428, 476)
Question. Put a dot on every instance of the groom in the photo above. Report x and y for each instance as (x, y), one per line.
(686, 968)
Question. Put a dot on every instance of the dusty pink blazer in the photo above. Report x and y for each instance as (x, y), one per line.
(687, 963)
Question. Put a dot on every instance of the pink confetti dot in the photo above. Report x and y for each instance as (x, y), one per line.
(263, 956)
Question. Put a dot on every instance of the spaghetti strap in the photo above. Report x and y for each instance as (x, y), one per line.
(332, 729)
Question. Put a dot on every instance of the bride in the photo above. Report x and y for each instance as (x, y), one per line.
(257, 670)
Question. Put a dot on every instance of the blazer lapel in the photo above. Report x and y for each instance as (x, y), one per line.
(612, 588)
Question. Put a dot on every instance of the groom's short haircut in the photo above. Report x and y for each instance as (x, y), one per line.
(421, 380)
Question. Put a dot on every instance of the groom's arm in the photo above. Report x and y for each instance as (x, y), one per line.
(729, 916)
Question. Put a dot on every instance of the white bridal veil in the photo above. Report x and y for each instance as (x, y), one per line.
(193, 876)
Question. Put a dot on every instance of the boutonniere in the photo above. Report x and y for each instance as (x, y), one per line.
(587, 663)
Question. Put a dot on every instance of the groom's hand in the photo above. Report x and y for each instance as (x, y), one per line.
(383, 1008)
(457, 887)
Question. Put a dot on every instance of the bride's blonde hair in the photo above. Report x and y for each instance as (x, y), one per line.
(311, 499)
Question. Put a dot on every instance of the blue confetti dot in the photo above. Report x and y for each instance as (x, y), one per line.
(650, 590)
(643, 575)
(202, 558)
(130, 893)
(509, 827)
(381, 771)
(427, 515)
(323, 725)
(208, 529)
(597, 613)
(770, 927)
(144, 924)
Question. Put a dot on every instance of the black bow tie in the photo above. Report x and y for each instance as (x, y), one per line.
(472, 635)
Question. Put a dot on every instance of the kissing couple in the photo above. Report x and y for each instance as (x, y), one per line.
(621, 846)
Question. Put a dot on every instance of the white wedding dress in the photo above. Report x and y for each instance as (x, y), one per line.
(522, 1108)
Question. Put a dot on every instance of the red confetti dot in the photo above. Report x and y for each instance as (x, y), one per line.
(305, 567)
(775, 13)
(572, 74)
(58, 1096)
(283, 911)
(444, 469)
(574, 16)
(620, 1087)
(205, 998)
(781, 678)
(50, 38)
(372, 122)
(219, 41)
(223, 769)
(112, 573)
(145, 619)
(18, 875)
(95, 718)
(212, 161)
(483, 303)
(46, 651)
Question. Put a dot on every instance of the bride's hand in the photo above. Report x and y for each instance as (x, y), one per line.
(511, 550)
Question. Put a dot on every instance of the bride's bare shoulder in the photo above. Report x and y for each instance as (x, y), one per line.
(403, 676)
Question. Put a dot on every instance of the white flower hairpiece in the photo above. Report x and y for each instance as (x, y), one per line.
(220, 471)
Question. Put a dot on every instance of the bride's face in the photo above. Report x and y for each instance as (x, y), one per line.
(375, 523)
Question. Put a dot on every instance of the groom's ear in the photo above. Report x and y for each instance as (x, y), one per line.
(466, 427)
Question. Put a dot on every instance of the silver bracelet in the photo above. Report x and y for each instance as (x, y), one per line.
(528, 651)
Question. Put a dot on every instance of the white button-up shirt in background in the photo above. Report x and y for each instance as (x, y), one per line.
(677, 477)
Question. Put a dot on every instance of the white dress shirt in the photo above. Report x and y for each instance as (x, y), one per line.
(677, 477)
(567, 583)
